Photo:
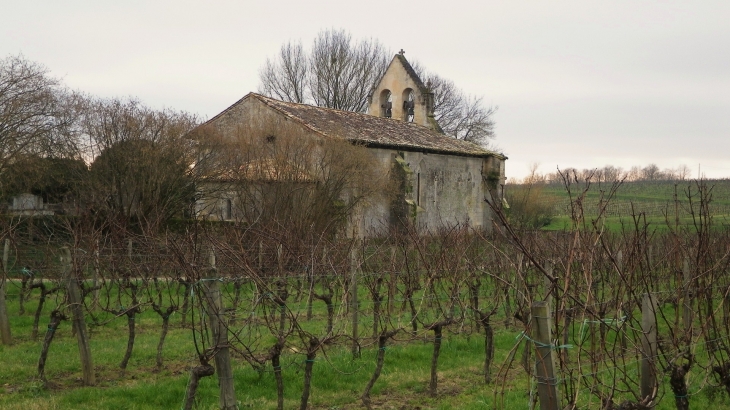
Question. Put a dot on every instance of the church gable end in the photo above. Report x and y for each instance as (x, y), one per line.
(401, 95)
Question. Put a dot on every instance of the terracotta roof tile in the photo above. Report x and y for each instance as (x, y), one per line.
(373, 131)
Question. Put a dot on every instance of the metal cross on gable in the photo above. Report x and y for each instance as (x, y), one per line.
(401, 52)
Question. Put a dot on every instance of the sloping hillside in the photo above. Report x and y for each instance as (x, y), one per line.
(656, 200)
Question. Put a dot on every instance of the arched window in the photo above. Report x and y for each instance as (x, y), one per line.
(409, 105)
(386, 104)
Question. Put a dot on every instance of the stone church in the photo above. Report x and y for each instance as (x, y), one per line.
(442, 181)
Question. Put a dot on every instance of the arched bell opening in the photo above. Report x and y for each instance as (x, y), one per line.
(409, 105)
(386, 104)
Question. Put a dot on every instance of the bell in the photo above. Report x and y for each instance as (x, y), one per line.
(387, 109)
(408, 107)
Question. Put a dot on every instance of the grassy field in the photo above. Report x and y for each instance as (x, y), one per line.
(653, 199)
(337, 383)
(338, 379)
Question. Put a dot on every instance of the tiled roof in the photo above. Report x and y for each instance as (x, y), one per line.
(371, 130)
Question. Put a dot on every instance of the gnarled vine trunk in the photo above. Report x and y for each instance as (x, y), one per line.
(56, 318)
(197, 373)
(384, 336)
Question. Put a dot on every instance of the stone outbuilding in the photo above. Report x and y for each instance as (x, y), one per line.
(441, 181)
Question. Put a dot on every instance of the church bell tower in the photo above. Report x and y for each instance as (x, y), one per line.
(401, 95)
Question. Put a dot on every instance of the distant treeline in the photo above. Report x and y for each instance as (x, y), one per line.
(608, 173)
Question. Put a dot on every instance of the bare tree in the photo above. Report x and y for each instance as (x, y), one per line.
(343, 72)
(611, 173)
(530, 207)
(142, 170)
(337, 72)
(36, 113)
(683, 172)
(650, 172)
(285, 77)
(52, 178)
(460, 115)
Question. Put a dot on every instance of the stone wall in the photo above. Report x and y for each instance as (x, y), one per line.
(440, 191)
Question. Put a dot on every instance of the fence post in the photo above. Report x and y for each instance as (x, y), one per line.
(261, 255)
(354, 266)
(648, 346)
(282, 286)
(393, 284)
(650, 255)
(526, 298)
(548, 284)
(620, 260)
(687, 316)
(214, 307)
(4, 319)
(620, 312)
(547, 382)
(76, 305)
(310, 280)
(97, 274)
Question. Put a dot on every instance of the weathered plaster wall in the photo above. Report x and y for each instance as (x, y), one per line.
(442, 191)
(253, 119)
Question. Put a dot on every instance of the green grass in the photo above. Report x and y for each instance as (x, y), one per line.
(338, 379)
(626, 223)
(653, 199)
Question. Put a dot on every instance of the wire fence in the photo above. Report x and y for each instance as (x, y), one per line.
(350, 292)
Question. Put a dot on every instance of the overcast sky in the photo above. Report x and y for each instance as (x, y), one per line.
(578, 83)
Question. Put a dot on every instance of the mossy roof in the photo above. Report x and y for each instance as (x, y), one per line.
(369, 130)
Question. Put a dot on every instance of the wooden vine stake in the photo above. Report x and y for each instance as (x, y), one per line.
(4, 319)
(354, 305)
(545, 369)
(648, 348)
(214, 308)
(620, 312)
(76, 305)
(687, 314)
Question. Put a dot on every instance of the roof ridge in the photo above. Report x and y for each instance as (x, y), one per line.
(307, 105)
(363, 128)
(337, 110)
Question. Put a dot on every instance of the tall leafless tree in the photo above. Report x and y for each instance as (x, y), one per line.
(343, 72)
(285, 77)
(37, 114)
(143, 160)
(339, 72)
(460, 115)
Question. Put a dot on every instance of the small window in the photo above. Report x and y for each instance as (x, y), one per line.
(228, 209)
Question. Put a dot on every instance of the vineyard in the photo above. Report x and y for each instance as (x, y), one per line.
(656, 200)
(218, 315)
